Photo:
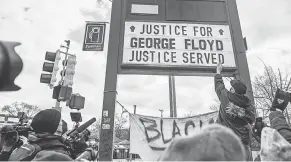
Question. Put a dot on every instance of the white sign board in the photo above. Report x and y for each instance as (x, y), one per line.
(177, 44)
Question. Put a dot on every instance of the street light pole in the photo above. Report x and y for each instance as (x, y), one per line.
(161, 110)
(172, 92)
(134, 109)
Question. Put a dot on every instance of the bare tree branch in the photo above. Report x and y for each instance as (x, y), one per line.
(265, 85)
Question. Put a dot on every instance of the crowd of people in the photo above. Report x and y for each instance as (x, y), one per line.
(43, 141)
(229, 139)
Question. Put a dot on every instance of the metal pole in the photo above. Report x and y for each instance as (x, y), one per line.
(174, 96)
(171, 97)
(58, 106)
(109, 98)
(240, 49)
(134, 109)
(172, 92)
(161, 110)
(66, 57)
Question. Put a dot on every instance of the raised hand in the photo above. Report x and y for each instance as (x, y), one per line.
(219, 68)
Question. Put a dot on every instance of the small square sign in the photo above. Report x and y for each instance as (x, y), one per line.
(105, 113)
(105, 126)
(94, 37)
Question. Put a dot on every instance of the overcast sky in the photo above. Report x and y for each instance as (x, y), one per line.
(42, 25)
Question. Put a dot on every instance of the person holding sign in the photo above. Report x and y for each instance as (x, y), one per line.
(236, 111)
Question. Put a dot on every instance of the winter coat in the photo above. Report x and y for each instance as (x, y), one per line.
(39, 145)
(235, 112)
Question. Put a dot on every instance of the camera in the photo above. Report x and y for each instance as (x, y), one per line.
(22, 127)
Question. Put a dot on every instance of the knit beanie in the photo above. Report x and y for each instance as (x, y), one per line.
(213, 143)
(46, 121)
(274, 147)
(238, 86)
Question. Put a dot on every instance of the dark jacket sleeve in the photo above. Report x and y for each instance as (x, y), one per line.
(220, 89)
(279, 123)
(250, 116)
(4, 156)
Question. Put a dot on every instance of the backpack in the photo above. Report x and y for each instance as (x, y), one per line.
(26, 152)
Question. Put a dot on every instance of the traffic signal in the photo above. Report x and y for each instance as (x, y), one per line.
(77, 102)
(10, 66)
(69, 72)
(51, 67)
(62, 93)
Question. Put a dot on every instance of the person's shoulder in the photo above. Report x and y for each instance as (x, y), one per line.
(45, 155)
(25, 152)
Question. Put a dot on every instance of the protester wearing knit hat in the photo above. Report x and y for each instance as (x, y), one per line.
(236, 110)
(43, 144)
(213, 143)
(238, 86)
(46, 121)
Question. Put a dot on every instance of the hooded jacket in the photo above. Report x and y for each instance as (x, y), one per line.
(235, 112)
(40, 142)
(48, 142)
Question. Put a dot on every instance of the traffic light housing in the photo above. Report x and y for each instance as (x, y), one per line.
(76, 116)
(62, 93)
(10, 66)
(69, 72)
(51, 67)
(77, 102)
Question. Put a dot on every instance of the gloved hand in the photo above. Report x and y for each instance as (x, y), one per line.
(280, 101)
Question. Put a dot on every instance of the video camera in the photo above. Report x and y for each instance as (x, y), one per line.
(74, 134)
(74, 138)
(22, 127)
(10, 134)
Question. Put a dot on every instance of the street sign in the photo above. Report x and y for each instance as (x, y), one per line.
(94, 37)
(177, 44)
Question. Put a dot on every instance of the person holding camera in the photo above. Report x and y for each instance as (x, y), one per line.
(10, 140)
(43, 145)
(236, 110)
